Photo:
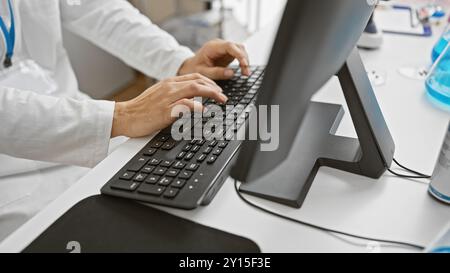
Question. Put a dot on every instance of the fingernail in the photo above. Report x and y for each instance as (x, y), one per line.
(229, 73)
(225, 98)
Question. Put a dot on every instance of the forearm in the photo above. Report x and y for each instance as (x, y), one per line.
(119, 28)
(57, 130)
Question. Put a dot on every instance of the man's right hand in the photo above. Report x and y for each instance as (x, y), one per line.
(152, 111)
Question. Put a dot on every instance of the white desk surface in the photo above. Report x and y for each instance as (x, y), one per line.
(389, 208)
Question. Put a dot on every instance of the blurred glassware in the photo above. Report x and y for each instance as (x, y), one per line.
(441, 44)
(438, 80)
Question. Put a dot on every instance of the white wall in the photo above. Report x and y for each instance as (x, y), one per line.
(246, 11)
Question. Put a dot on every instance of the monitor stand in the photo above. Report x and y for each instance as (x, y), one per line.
(316, 144)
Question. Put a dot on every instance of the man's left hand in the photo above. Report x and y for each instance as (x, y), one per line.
(213, 59)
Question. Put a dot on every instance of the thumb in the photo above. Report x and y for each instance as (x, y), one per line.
(218, 73)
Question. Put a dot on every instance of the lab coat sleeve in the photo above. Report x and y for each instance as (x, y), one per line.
(57, 130)
(119, 28)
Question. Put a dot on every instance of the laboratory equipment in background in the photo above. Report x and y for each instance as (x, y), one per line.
(194, 30)
(438, 81)
(372, 37)
(441, 44)
(442, 242)
(440, 182)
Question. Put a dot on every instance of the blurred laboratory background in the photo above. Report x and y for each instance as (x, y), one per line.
(192, 22)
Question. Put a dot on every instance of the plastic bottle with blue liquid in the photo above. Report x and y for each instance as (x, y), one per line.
(438, 80)
(441, 44)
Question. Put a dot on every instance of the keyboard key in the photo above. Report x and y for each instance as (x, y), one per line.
(150, 152)
(201, 158)
(152, 179)
(193, 142)
(223, 144)
(169, 145)
(171, 193)
(154, 162)
(148, 169)
(127, 175)
(157, 144)
(125, 185)
(208, 150)
(166, 163)
(189, 156)
(181, 155)
(185, 175)
(138, 164)
(201, 142)
(212, 159)
(196, 149)
(212, 143)
(187, 148)
(172, 173)
(161, 138)
(140, 177)
(178, 183)
(179, 165)
(217, 151)
(160, 171)
(192, 167)
(165, 181)
(151, 189)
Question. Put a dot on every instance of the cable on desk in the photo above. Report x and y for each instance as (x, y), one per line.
(408, 176)
(408, 169)
(389, 242)
(417, 176)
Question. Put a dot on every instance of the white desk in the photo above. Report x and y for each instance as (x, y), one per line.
(390, 208)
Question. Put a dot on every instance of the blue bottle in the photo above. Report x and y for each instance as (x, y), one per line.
(438, 80)
(441, 44)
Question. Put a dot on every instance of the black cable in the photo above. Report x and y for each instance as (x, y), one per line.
(410, 170)
(408, 176)
(322, 228)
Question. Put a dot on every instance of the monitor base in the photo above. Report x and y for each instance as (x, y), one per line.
(316, 145)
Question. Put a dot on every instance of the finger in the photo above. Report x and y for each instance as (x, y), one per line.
(197, 90)
(193, 76)
(193, 105)
(240, 55)
(242, 47)
(198, 81)
(217, 73)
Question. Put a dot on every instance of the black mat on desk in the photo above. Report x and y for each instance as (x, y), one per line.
(112, 225)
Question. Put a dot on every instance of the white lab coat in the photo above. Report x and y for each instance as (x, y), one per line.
(66, 127)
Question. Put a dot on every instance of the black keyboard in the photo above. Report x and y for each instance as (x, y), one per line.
(188, 173)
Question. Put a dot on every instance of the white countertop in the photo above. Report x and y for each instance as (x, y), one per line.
(390, 208)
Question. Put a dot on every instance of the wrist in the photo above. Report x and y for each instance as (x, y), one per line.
(119, 120)
(186, 67)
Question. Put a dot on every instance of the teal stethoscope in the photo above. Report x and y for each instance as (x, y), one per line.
(10, 37)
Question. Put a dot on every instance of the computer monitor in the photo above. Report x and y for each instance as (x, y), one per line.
(316, 40)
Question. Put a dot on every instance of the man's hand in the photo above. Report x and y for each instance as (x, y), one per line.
(152, 111)
(213, 59)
